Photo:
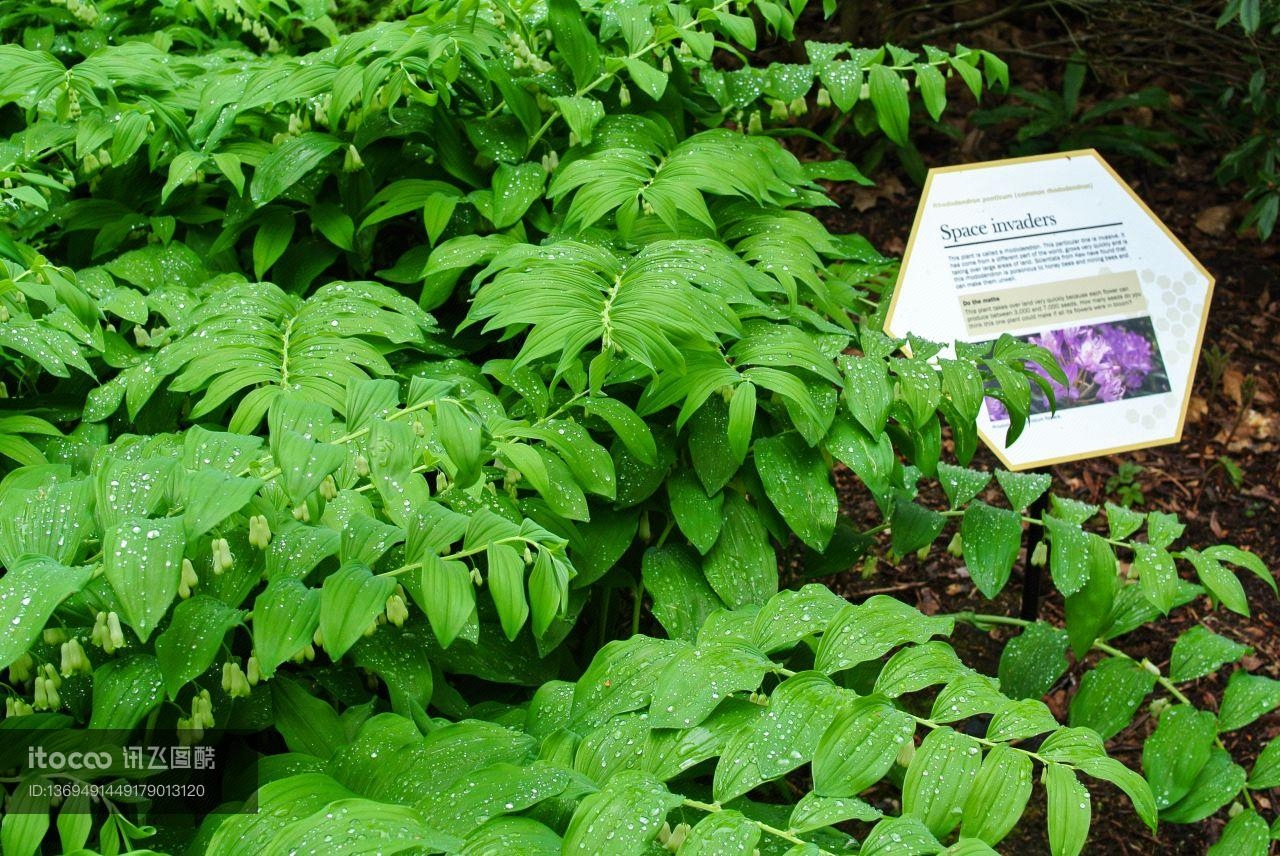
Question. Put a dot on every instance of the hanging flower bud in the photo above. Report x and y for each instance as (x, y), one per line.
(17, 707)
(371, 629)
(624, 95)
(253, 672)
(234, 681)
(114, 632)
(99, 635)
(351, 160)
(754, 124)
(906, 753)
(798, 106)
(74, 659)
(20, 670)
(956, 547)
(41, 695)
(220, 552)
(329, 488)
(259, 531)
(397, 611)
(54, 636)
(188, 580)
(362, 466)
(317, 638)
(1040, 554)
(302, 513)
(476, 579)
(824, 97)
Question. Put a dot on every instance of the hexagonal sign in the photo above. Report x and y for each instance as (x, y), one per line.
(1057, 250)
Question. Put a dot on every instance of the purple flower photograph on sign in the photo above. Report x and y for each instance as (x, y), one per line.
(1103, 363)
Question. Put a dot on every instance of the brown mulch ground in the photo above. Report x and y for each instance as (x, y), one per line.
(1233, 418)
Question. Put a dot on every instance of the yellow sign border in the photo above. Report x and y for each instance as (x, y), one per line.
(1204, 319)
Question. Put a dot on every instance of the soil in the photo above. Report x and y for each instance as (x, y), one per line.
(1222, 479)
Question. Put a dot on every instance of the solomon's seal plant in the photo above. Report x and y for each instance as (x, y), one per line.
(374, 379)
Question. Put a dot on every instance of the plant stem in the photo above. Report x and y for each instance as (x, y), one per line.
(785, 835)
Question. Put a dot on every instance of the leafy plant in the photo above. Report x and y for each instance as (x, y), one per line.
(1052, 121)
(633, 361)
(1124, 484)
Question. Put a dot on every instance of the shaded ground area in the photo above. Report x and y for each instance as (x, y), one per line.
(1223, 478)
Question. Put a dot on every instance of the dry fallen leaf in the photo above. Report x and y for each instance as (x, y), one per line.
(1197, 409)
(1214, 220)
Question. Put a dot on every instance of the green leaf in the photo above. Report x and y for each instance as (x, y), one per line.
(448, 596)
(512, 835)
(1069, 555)
(1069, 810)
(682, 598)
(1199, 652)
(914, 527)
(961, 484)
(1157, 576)
(581, 114)
(630, 428)
(606, 822)
(1176, 751)
(939, 779)
(1246, 698)
(800, 711)
(700, 517)
(723, 833)
(287, 163)
(335, 224)
(741, 567)
(650, 80)
(792, 615)
(515, 188)
(124, 691)
(919, 666)
(798, 483)
(506, 587)
(1021, 719)
(1109, 695)
(1033, 661)
(933, 89)
(1122, 522)
(999, 795)
(1163, 529)
(271, 240)
(859, 747)
(305, 463)
(281, 803)
(695, 682)
(211, 496)
(742, 417)
(1088, 611)
(1022, 489)
(574, 42)
(1243, 558)
(871, 629)
(494, 791)
(814, 812)
(895, 836)
(990, 539)
(868, 392)
(306, 722)
(350, 599)
(1246, 834)
(30, 591)
(889, 99)
(1220, 582)
(346, 828)
(1266, 770)
(1219, 781)
(142, 560)
(285, 617)
(189, 645)
(26, 820)
(621, 678)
